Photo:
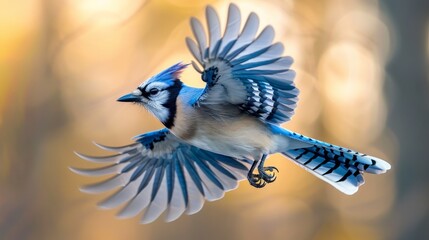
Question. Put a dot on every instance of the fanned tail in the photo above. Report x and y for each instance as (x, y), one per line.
(341, 167)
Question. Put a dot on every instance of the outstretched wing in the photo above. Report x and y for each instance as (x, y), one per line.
(242, 69)
(161, 173)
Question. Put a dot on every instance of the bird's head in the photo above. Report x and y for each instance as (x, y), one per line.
(158, 94)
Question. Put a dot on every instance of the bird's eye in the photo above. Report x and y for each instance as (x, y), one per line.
(154, 91)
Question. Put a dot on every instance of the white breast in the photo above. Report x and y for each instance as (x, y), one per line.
(243, 137)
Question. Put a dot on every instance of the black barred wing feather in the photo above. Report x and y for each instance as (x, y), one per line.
(159, 173)
(244, 69)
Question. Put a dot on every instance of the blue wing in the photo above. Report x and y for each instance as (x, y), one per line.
(161, 173)
(243, 69)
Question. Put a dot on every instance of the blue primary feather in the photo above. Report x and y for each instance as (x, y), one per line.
(198, 30)
(232, 29)
(193, 173)
(131, 164)
(214, 31)
(246, 36)
(209, 173)
(182, 181)
(147, 177)
(157, 183)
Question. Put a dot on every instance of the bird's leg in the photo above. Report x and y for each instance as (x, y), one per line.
(268, 174)
(255, 179)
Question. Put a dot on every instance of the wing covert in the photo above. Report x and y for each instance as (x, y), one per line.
(242, 68)
(160, 173)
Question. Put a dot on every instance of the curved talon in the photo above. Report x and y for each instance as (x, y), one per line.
(259, 184)
(256, 180)
(270, 179)
(268, 174)
(271, 169)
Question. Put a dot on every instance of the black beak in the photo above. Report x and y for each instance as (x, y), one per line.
(129, 98)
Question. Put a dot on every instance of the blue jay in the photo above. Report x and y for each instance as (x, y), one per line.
(218, 135)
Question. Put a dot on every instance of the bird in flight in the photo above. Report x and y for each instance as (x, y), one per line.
(220, 134)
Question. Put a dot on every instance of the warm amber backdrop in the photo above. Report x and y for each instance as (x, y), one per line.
(362, 68)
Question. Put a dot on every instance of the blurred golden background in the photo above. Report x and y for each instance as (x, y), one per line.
(362, 68)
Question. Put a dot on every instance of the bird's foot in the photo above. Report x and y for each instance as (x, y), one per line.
(268, 174)
(265, 174)
(256, 180)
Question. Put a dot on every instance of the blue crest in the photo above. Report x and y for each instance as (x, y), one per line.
(170, 74)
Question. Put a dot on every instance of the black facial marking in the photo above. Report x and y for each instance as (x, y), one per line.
(148, 93)
(171, 102)
(143, 90)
